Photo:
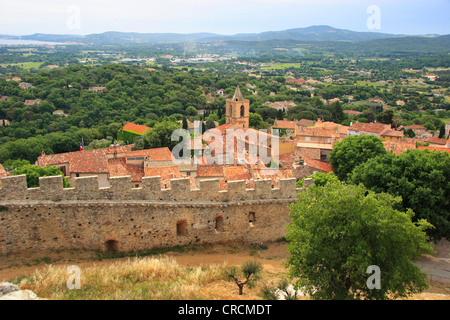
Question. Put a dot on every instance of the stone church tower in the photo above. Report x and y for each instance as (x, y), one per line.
(238, 108)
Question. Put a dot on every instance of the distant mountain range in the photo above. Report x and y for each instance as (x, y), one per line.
(313, 33)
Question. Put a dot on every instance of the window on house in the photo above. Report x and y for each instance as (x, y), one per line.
(307, 138)
(242, 111)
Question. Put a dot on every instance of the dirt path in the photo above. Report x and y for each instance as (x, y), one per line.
(272, 256)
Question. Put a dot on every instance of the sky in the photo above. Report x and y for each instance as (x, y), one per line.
(23, 17)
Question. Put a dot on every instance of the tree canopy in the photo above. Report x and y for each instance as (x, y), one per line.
(339, 231)
(352, 151)
(420, 177)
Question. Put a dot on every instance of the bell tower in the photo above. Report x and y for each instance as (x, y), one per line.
(238, 108)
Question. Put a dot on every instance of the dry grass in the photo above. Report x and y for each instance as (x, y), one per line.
(132, 279)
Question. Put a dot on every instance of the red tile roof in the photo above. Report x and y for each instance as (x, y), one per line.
(437, 141)
(316, 132)
(87, 161)
(234, 173)
(369, 127)
(285, 124)
(323, 166)
(398, 146)
(135, 128)
(212, 170)
(119, 168)
(392, 133)
(415, 127)
(156, 154)
(434, 149)
(167, 173)
(274, 174)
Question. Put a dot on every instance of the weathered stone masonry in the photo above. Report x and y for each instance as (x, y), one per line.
(124, 218)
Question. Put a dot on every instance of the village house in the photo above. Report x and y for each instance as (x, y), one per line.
(131, 131)
(437, 141)
(303, 166)
(392, 135)
(110, 162)
(60, 113)
(97, 89)
(285, 126)
(398, 147)
(25, 85)
(220, 92)
(32, 102)
(4, 98)
(16, 79)
(419, 131)
(280, 105)
(315, 135)
(360, 128)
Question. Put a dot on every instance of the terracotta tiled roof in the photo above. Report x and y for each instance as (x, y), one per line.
(163, 172)
(87, 161)
(234, 173)
(274, 174)
(327, 125)
(285, 124)
(135, 128)
(392, 133)
(167, 173)
(316, 132)
(212, 170)
(316, 164)
(156, 154)
(226, 126)
(369, 127)
(415, 127)
(434, 149)
(437, 141)
(119, 168)
(398, 146)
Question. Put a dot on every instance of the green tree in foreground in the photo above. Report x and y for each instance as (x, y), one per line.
(420, 177)
(338, 231)
(250, 271)
(352, 151)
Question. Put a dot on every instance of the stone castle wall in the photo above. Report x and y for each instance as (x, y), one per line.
(123, 218)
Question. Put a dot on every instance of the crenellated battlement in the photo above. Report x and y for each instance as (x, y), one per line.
(86, 216)
(14, 188)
